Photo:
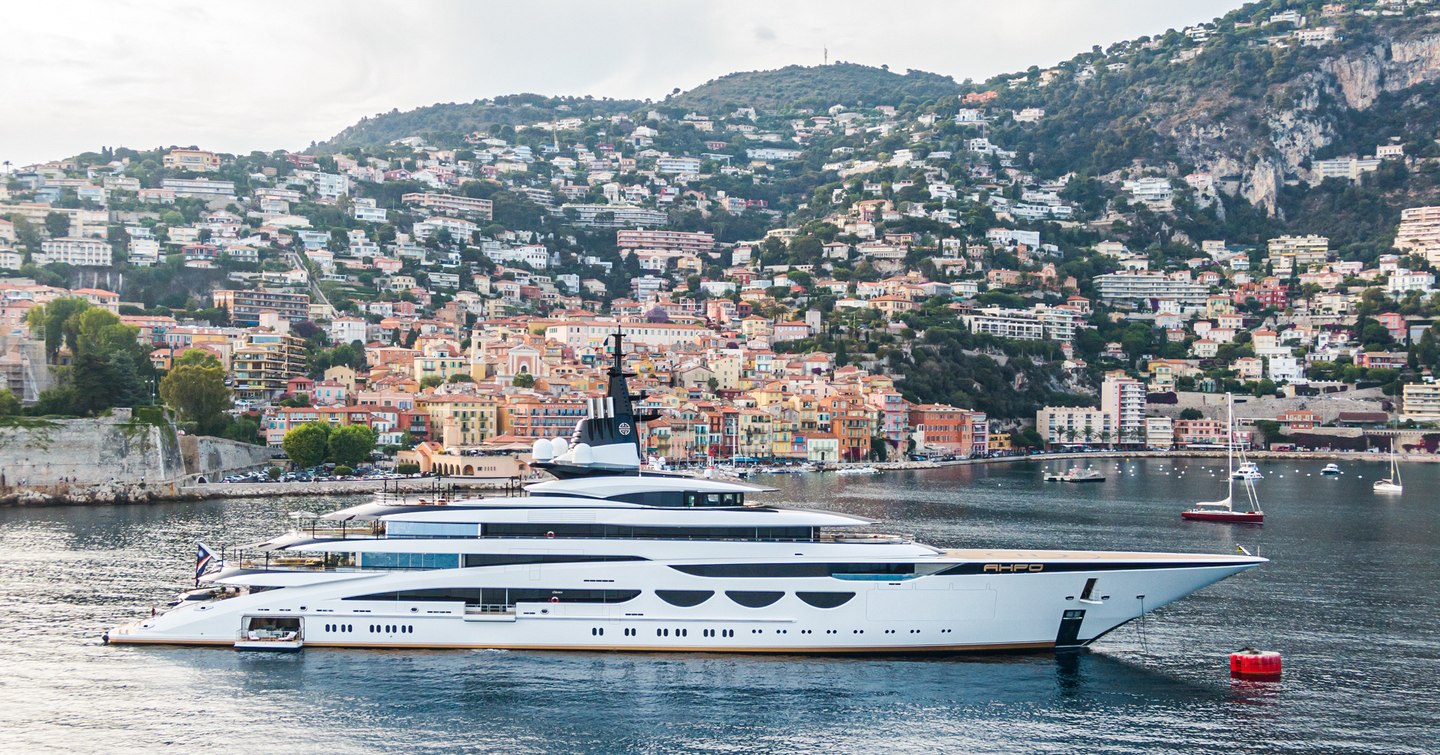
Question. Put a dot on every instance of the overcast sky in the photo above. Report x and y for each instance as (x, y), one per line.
(270, 74)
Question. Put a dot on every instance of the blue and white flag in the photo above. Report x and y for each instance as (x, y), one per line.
(205, 561)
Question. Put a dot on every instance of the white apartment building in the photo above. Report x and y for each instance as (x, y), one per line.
(1159, 433)
(1060, 425)
(201, 188)
(347, 330)
(365, 211)
(1153, 191)
(1123, 398)
(449, 203)
(1348, 168)
(535, 256)
(1040, 324)
(75, 251)
(592, 333)
(615, 216)
(1145, 287)
(331, 185)
(143, 252)
(640, 238)
(1285, 252)
(768, 154)
(1419, 232)
(678, 165)
(1403, 281)
(1421, 402)
(460, 230)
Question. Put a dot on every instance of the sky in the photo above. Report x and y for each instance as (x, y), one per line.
(235, 76)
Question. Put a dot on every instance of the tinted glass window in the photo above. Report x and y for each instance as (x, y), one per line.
(684, 598)
(753, 598)
(826, 599)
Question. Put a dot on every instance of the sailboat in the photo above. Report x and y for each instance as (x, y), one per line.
(1391, 484)
(1224, 510)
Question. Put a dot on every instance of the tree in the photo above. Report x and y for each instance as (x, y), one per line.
(306, 444)
(195, 388)
(1191, 413)
(109, 367)
(431, 381)
(523, 380)
(9, 405)
(57, 224)
(351, 444)
(53, 322)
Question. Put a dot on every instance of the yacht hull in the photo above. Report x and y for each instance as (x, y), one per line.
(1007, 606)
(1233, 517)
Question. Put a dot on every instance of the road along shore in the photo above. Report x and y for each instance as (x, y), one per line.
(131, 493)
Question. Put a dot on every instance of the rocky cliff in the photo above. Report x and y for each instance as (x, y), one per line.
(1259, 143)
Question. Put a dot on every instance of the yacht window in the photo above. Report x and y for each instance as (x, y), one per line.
(506, 596)
(826, 599)
(401, 529)
(615, 531)
(753, 598)
(409, 560)
(495, 559)
(684, 598)
(842, 571)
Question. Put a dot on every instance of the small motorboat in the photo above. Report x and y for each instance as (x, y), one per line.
(865, 470)
(1077, 474)
(1247, 471)
(1331, 469)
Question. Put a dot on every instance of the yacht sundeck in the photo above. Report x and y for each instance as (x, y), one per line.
(607, 558)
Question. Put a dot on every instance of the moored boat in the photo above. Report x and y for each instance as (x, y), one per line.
(1224, 510)
(607, 558)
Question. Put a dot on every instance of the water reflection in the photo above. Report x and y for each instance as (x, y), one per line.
(1347, 599)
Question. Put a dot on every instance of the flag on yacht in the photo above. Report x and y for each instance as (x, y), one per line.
(205, 560)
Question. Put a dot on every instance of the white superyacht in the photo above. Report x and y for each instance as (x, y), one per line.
(608, 558)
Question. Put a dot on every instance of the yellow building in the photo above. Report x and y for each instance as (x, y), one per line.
(461, 419)
(263, 364)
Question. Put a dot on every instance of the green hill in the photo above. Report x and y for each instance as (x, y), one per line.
(815, 87)
(449, 122)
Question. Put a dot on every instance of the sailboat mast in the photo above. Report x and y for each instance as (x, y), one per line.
(1229, 447)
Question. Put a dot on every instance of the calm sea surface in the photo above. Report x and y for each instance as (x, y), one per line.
(1351, 599)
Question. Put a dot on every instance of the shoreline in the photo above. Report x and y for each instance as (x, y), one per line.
(128, 494)
(1207, 454)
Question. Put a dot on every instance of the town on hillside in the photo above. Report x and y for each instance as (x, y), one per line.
(802, 284)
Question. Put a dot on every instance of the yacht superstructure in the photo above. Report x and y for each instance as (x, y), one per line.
(606, 558)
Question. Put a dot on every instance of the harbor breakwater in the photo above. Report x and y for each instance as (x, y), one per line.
(121, 458)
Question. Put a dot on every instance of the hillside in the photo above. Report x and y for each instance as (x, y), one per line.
(449, 122)
(814, 87)
(1248, 106)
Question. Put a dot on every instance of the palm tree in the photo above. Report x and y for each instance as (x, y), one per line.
(1105, 437)
(1070, 434)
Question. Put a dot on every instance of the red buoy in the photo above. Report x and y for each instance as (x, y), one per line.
(1250, 663)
